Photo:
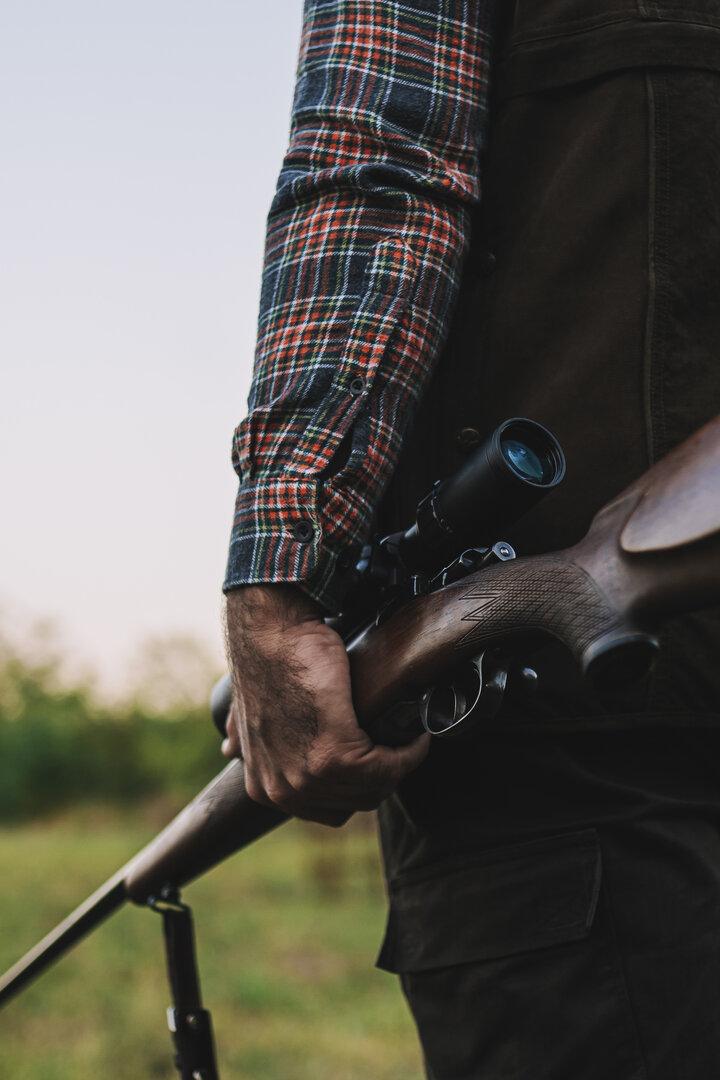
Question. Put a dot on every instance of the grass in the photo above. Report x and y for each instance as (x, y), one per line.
(287, 934)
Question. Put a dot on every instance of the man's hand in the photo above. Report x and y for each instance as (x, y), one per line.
(292, 719)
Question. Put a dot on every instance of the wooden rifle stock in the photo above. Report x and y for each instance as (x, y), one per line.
(654, 551)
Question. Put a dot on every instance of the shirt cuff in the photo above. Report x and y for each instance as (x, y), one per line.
(277, 537)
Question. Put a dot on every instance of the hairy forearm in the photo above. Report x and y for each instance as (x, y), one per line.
(292, 718)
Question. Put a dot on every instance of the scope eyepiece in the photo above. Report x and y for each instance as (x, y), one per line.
(516, 466)
(532, 452)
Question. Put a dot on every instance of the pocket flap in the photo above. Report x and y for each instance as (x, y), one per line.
(499, 902)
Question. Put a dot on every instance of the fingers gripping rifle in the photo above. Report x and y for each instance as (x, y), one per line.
(433, 636)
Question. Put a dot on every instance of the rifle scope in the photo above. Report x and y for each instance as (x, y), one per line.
(515, 467)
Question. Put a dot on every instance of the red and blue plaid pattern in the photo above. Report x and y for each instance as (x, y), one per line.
(366, 237)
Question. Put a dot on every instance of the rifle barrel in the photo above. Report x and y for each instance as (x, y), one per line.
(220, 820)
(107, 899)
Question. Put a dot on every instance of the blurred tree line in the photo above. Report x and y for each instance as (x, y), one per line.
(61, 744)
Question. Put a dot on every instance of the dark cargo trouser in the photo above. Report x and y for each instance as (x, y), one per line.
(555, 883)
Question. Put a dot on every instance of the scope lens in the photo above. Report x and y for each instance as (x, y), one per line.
(504, 477)
(523, 460)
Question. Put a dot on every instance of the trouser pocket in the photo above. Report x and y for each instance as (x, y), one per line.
(510, 967)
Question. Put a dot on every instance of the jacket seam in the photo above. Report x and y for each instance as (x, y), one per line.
(584, 840)
(560, 31)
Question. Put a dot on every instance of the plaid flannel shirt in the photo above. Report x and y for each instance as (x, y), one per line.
(366, 237)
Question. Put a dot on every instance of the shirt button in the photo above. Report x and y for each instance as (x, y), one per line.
(468, 438)
(357, 385)
(303, 531)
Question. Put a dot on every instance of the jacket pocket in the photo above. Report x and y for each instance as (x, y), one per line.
(387, 288)
(506, 901)
(509, 962)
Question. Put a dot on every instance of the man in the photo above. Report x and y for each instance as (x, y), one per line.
(554, 884)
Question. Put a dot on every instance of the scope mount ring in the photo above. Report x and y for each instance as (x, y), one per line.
(473, 692)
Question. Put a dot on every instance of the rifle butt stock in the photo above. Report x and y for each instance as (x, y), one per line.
(652, 553)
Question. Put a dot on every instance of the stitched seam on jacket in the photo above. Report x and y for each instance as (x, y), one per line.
(581, 841)
(568, 30)
(650, 311)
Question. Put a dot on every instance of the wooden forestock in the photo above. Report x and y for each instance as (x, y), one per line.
(652, 552)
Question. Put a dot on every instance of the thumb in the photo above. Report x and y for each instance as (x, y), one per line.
(231, 743)
(395, 762)
(230, 748)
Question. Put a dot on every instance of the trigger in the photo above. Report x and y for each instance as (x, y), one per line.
(473, 693)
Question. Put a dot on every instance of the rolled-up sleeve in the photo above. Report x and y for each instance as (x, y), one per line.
(366, 237)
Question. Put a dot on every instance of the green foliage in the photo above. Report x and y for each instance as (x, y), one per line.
(60, 746)
(287, 931)
(287, 969)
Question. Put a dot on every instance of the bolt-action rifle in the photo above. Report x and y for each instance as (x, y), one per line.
(436, 631)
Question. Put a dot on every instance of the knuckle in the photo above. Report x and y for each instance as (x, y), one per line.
(300, 781)
(277, 794)
(254, 789)
(321, 766)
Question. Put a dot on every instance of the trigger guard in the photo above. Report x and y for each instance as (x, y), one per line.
(474, 693)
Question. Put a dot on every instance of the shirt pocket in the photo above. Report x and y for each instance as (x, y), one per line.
(388, 284)
(498, 903)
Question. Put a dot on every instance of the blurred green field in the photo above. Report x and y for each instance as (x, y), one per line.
(287, 936)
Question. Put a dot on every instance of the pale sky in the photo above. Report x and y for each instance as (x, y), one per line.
(140, 142)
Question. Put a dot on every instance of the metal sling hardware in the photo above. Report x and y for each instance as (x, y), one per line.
(189, 1023)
